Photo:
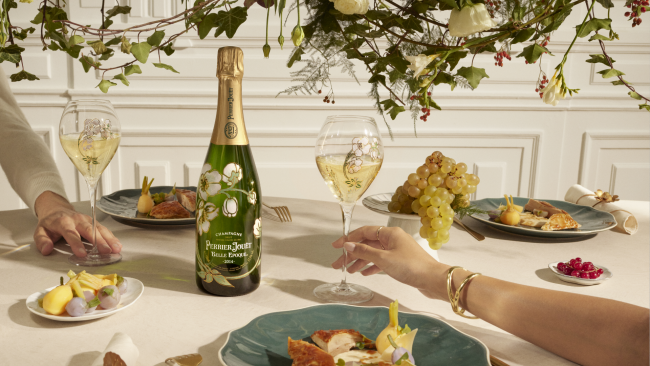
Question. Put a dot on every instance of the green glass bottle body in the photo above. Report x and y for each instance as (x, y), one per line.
(228, 214)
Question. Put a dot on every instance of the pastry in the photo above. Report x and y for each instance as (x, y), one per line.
(529, 219)
(187, 198)
(169, 210)
(535, 205)
(307, 354)
(335, 342)
(560, 222)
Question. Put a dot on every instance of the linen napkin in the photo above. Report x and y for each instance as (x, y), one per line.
(121, 345)
(582, 196)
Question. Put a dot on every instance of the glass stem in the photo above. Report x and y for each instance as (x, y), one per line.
(346, 210)
(92, 189)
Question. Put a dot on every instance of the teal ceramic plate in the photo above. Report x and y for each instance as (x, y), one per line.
(592, 220)
(263, 341)
(122, 205)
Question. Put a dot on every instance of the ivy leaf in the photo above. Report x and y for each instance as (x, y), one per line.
(104, 85)
(392, 107)
(619, 82)
(295, 56)
(609, 73)
(533, 52)
(599, 58)
(518, 13)
(122, 78)
(107, 23)
(413, 24)
(125, 46)
(98, 46)
(523, 35)
(168, 49)
(113, 42)
(132, 69)
(206, 25)
(378, 78)
(473, 75)
(556, 21)
(87, 62)
(166, 67)
(634, 95)
(155, 39)
(117, 10)
(454, 58)
(420, 7)
(74, 51)
(14, 58)
(141, 51)
(451, 4)
(445, 78)
(106, 55)
(607, 4)
(398, 62)
(23, 75)
(23, 33)
(229, 21)
(645, 106)
(600, 37)
(594, 25)
(76, 39)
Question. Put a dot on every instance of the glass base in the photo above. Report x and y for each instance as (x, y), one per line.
(343, 293)
(95, 260)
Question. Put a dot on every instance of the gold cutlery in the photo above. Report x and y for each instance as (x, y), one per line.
(496, 362)
(193, 359)
(471, 232)
(282, 212)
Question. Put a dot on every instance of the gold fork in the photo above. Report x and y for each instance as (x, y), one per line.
(282, 212)
(471, 232)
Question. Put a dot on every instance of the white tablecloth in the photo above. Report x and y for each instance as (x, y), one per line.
(173, 317)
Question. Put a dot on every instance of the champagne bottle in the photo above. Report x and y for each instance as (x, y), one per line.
(228, 215)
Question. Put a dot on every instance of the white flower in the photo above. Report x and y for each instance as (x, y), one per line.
(232, 174)
(257, 229)
(350, 7)
(360, 146)
(418, 63)
(472, 18)
(553, 92)
(209, 182)
(205, 212)
(106, 134)
(252, 197)
(230, 207)
(354, 165)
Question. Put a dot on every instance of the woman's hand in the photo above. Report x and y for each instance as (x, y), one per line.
(57, 218)
(401, 258)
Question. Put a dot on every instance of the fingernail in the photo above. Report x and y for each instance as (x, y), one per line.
(349, 246)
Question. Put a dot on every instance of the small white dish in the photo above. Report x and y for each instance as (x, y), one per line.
(581, 281)
(134, 291)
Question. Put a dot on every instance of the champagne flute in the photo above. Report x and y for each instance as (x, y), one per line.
(349, 154)
(90, 134)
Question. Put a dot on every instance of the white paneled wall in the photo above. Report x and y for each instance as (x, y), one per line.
(502, 130)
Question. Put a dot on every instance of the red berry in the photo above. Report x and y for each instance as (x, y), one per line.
(599, 271)
(428, 93)
(572, 262)
(584, 275)
(627, 13)
(333, 102)
(643, 11)
(593, 275)
(588, 266)
(578, 266)
(567, 271)
(575, 273)
(578, 259)
(561, 266)
(320, 91)
(537, 90)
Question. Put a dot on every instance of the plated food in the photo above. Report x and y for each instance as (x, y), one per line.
(177, 204)
(538, 214)
(590, 220)
(579, 272)
(348, 347)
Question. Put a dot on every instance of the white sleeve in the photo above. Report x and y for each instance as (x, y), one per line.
(24, 157)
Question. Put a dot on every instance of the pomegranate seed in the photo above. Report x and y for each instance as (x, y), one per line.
(575, 273)
(593, 275)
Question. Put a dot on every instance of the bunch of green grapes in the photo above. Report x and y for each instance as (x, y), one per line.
(430, 191)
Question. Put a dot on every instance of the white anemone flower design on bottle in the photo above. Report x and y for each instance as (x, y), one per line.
(257, 229)
(205, 212)
(354, 165)
(252, 197)
(230, 207)
(360, 146)
(209, 182)
(232, 174)
(472, 18)
(374, 148)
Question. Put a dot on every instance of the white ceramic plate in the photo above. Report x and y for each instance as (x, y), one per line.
(581, 281)
(133, 293)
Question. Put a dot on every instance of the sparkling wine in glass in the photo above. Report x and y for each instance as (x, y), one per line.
(349, 154)
(90, 134)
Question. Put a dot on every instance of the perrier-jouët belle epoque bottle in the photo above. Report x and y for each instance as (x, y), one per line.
(228, 215)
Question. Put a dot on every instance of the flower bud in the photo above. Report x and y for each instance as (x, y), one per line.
(297, 35)
(267, 50)
(281, 41)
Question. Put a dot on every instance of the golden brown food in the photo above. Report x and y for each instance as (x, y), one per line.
(307, 354)
(560, 222)
(187, 198)
(338, 341)
(535, 205)
(169, 210)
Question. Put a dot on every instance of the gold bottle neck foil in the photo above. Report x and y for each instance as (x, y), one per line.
(229, 127)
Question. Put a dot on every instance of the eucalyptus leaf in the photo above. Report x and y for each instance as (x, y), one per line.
(473, 75)
(166, 67)
(104, 85)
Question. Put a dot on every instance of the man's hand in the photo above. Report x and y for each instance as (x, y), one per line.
(57, 218)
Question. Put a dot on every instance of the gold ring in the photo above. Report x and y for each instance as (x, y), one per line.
(382, 245)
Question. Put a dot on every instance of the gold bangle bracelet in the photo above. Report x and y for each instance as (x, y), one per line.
(457, 309)
(449, 292)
